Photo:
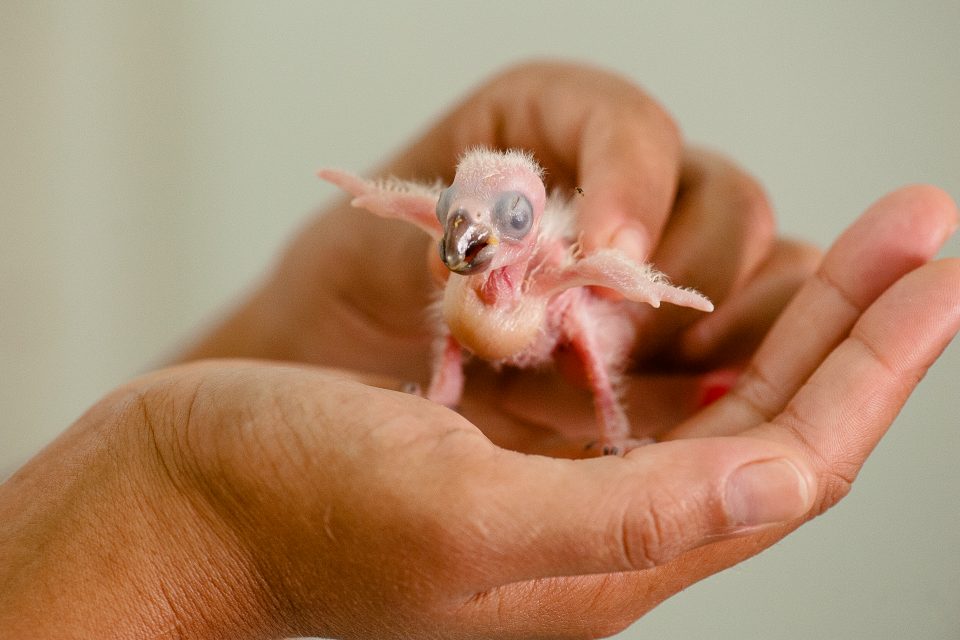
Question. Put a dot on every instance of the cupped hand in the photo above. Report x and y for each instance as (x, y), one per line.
(352, 290)
(261, 500)
(827, 381)
(247, 500)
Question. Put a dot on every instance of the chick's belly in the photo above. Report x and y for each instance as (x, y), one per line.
(492, 332)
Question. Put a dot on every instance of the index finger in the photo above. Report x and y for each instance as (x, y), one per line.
(629, 164)
(846, 406)
(899, 233)
(595, 132)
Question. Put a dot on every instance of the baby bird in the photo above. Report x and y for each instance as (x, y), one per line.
(520, 286)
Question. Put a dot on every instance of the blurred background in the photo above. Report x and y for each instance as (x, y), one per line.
(156, 157)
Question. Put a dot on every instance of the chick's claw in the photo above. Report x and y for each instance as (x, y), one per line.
(413, 388)
(620, 448)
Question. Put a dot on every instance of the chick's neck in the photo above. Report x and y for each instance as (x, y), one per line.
(502, 285)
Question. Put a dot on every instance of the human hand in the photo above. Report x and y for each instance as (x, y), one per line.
(259, 500)
(352, 289)
(829, 379)
(243, 500)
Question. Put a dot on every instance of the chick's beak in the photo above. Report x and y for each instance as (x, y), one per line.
(467, 247)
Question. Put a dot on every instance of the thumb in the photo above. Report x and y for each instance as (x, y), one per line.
(577, 517)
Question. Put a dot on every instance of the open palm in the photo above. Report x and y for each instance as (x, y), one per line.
(820, 374)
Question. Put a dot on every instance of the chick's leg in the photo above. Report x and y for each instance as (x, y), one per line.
(614, 424)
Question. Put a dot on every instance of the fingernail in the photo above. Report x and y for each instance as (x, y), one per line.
(715, 385)
(631, 241)
(766, 492)
(711, 393)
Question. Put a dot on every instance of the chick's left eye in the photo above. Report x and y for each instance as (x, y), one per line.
(513, 214)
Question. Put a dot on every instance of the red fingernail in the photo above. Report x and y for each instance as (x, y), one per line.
(713, 393)
(715, 386)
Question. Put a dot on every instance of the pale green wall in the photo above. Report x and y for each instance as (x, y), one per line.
(156, 155)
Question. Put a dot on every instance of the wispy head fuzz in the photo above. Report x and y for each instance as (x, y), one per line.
(483, 162)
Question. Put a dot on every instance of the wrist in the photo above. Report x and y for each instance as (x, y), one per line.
(95, 541)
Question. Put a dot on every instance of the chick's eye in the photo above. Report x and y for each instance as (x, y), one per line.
(514, 215)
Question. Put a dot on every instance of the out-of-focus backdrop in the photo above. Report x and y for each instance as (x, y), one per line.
(156, 155)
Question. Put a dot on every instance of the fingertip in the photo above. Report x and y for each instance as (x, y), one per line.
(606, 220)
(917, 203)
(629, 173)
(632, 240)
(614, 223)
(744, 318)
(899, 232)
(926, 197)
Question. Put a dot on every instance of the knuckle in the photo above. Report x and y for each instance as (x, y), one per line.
(757, 392)
(648, 539)
(747, 196)
(834, 486)
(804, 256)
(837, 471)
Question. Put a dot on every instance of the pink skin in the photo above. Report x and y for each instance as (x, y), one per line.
(516, 300)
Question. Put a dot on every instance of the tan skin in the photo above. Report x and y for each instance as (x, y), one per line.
(247, 499)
